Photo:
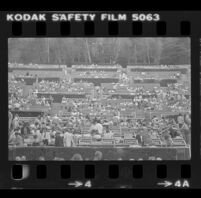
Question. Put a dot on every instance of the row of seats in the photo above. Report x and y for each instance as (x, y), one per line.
(126, 142)
(57, 98)
(41, 73)
(181, 70)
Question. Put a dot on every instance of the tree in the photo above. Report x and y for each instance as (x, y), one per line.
(175, 51)
(99, 50)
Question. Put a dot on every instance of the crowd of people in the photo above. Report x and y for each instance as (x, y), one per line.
(98, 155)
(96, 74)
(101, 115)
(62, 131)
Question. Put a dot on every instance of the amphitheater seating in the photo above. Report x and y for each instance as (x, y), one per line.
(179, 142)
(40, 73)
(154, 75)
(57, 97)
(27, 119)
(29, 114)
(97, 81)
(146, 86)
(27, 80)
(181, 70)
(107, 82)
(96, 69)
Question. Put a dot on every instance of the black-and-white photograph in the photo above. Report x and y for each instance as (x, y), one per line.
(99, 98)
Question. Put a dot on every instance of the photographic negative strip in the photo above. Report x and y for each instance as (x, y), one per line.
(100, 100)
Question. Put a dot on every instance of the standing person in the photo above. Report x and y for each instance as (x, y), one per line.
(146, 137)
(22, 129)
(173, 132)
(46, 137)
(68, 139)
(188, 120)
(37, 138)
(180, 120)
(116, 118)
(16, 122)
(10, 117)
(93, 129)
(99, 127)
(96, 127)
(186, 133)
(59, 139)
(12, 137)
(139, 138)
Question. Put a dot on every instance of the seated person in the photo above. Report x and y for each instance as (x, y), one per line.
(41, 158)
(77, 157)
(97, 137)
(98, 155)
(16, 139)
(37, 138)
(108, 134)
(154, 134)
(174, 133)
(96, 128)
(29, 140)
(17, 158)
(167, 138)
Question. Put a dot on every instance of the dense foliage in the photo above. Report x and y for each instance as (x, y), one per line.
(124, 51)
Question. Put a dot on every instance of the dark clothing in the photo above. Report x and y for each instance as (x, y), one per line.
(173, 133)
(59, 141)
(35, 144)
(45, 142)
(139, 139)
(146, 139)
(186, 135)
(180, 125)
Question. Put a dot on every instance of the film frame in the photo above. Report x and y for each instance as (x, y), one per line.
(105, 174)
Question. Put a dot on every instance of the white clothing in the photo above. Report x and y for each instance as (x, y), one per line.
(97, 127)
(68, 139)
(46, 136)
